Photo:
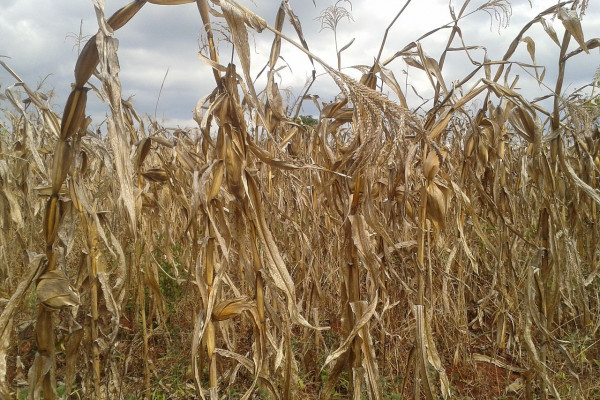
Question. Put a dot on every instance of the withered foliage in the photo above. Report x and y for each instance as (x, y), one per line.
(381, 251)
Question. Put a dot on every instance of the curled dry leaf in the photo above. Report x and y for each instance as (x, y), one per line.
(74, 112)
(51, 219)
(156, 175)
(572, 24)
(228, 309)
(550, 30)
(55, 291)
(469, 146)
(431, 166)
(438, 197)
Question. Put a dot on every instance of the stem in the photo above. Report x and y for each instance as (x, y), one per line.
(142, 295)
(388, 30)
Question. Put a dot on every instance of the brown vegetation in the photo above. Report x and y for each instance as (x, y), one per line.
(379, 251)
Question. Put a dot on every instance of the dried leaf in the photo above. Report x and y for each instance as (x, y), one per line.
(228, 309)
(530, 47)
(437, 203)
(55, 291)
(431, 166)
(156, 175)
(572, 24)
(347, 342)
(550, 30)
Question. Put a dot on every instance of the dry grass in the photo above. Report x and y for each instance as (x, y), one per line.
(451, 252)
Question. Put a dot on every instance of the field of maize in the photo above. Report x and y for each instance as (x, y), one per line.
(372, 251)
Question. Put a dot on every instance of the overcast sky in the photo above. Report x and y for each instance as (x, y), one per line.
(38, 39)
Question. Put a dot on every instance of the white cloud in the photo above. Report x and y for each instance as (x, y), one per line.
(35, 36)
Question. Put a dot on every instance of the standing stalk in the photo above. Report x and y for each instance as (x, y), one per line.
(72, 122)
(353, 293)
(142, 297)
(259, 284)
(93, 273)
(210, 327)
(543, 301)
(73, 117)
(420, 367)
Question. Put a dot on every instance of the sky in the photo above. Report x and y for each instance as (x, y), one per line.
(159, 48)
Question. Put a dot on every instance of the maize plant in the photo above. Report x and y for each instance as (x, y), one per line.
(441, 251)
